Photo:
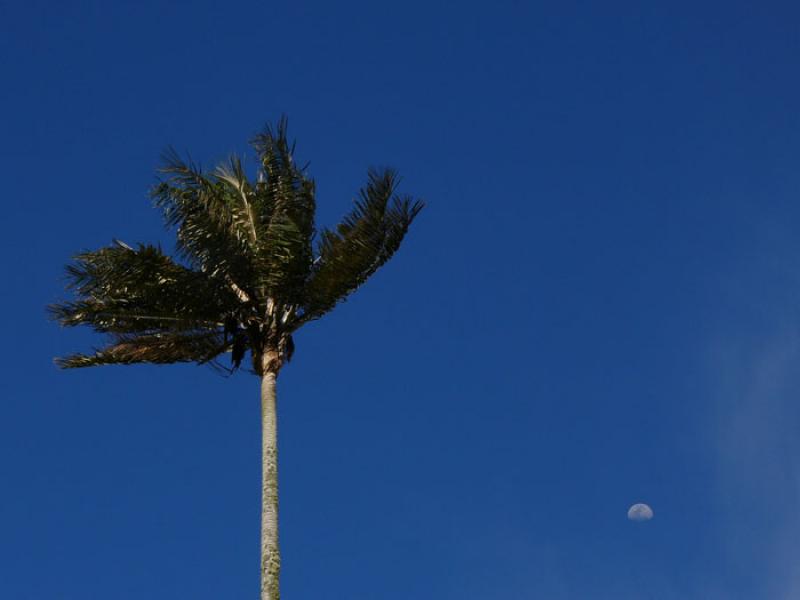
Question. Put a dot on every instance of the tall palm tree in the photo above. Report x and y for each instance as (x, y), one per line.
(250, 271)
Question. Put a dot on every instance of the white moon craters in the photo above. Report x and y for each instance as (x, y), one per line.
(640, 512)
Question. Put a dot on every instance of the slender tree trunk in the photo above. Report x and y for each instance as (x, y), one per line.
(270, 553)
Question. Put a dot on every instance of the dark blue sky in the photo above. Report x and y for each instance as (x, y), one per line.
(600, 304)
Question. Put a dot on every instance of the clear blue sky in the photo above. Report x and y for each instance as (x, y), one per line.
(599, 306)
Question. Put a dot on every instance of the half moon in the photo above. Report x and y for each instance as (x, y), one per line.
(640, 512)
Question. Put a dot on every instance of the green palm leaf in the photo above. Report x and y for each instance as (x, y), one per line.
(284, 252)
(213, 225)
(362, 243)
(157, 348)
(122, 289)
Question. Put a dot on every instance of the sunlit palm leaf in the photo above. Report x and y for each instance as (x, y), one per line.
(213, 224)
(285, 251)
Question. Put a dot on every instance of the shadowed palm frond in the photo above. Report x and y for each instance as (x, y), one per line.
(361, 244)
(122, 289)
(160, 348)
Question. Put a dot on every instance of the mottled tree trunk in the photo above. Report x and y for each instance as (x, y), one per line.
(270, 553)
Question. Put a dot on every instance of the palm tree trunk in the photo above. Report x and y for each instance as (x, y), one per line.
(270, 553)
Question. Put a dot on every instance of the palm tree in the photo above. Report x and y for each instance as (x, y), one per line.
(250, 271)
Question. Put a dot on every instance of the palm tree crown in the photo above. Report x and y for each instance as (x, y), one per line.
(250, 269)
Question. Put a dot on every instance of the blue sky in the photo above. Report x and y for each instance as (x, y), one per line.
(600, 304)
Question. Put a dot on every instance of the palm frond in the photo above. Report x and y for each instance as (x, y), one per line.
(120, 316)
(160, 348)
(212, 216)
(121, 289)
(284, 252)
(188, 188)
(361, 244)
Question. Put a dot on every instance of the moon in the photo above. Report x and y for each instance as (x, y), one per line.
(640, 512)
